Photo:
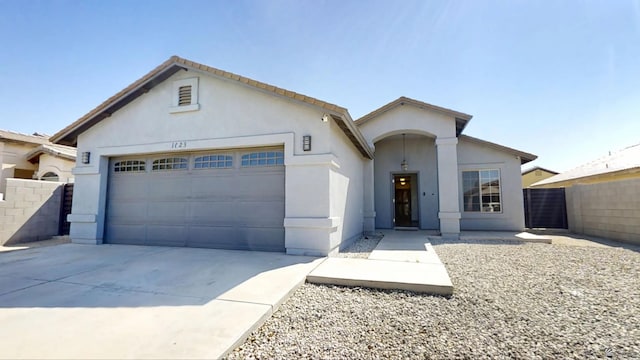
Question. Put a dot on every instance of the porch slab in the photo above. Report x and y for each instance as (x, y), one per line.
(384, 274)
(402, 260)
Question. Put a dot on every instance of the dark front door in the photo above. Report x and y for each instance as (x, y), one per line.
(402, 187)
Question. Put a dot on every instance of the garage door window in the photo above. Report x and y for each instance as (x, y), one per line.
(263, 158)
(213, 161)
(129, 166)
(170, 164)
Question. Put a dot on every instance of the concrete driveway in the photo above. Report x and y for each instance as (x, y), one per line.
(118, 301)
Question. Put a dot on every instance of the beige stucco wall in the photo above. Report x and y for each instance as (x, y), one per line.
(231, 115)
(535, 176)
(472, 156)
(59, 166)
(610, 210)
(12, 156)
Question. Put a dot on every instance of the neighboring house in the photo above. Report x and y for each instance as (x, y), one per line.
(54, 161)
(190, 155)
(620, 165)
(535, 174)
(13, 149)
(33, 157)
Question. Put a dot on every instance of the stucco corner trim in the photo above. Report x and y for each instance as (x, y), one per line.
(447, 141)
(82, 218)
(316, 223)
(449, 215)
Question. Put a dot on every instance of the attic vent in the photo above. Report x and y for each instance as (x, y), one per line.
(184, 95)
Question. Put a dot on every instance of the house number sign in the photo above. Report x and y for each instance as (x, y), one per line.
(178, 144)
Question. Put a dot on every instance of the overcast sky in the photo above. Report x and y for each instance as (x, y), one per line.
(560, 79)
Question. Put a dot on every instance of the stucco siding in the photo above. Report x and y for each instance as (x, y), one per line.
(56, 165)
(347, 189)
(231, 115)
(472, 156)
(422, 158)
(408, 119)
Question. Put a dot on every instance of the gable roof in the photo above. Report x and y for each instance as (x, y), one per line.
(61, 151)
(627, 159)
(538, 168)
(12, 136)
(524, 156)
(68, 135)
(461, 118)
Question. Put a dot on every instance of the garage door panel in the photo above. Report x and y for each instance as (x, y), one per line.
(165, 188)
(127, 234)
(134, 187)
(261, 184)
(213, 213)
(128, 209)
(263, 213)
(168, 211)
(217, 237)
(263, 239)
(162, 235)
(212, 186)
(227, 208)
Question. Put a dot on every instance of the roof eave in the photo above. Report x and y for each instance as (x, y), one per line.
(68, 136)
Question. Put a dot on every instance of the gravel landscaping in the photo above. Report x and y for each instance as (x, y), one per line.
(511, 300)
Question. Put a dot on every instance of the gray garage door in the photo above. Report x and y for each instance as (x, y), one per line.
(216, 199)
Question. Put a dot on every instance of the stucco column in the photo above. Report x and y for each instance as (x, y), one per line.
(369, 212)
(449, 213)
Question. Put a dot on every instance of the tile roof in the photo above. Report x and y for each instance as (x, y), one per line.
(63, 151)
(538, 168)
(625, 159)
(69, 134)
(23, 138)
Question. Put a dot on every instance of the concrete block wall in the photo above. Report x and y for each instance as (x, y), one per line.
(30, 211)
(610, 210)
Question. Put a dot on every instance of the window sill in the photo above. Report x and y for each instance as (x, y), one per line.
(181, 109)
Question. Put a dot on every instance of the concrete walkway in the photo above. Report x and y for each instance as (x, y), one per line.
(403, 260)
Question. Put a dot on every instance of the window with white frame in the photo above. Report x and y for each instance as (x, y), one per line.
(129, 166)
(185, 95)
(213, 161)
(173, 163)
(481, 191)
(263, 158)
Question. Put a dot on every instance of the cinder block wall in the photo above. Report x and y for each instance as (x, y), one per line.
(30, 211)
(610, 210)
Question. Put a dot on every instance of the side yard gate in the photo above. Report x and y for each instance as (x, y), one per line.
(545, 208)
(65, 209)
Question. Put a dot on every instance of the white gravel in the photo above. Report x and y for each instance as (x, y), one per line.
(362, 247)
(511, 300)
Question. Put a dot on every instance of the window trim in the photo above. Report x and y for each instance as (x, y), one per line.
(228, 158)
(183, 161)
(138, 163)
(479, 172)
(278, 159)
(175, 103)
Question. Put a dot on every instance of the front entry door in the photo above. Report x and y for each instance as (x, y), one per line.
(402, 191)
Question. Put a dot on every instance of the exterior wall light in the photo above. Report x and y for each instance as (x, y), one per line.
(325, 118)
(86, 157)
(404, 164)
(306, 143)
